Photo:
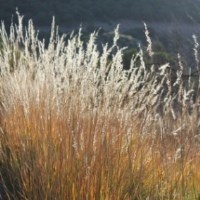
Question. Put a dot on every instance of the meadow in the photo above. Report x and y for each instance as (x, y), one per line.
(74, 124)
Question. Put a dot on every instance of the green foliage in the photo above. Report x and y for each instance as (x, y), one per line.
(160, 57)
(127, 56)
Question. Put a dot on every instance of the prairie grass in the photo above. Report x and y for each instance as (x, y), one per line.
(76, 125)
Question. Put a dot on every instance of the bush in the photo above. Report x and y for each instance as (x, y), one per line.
(76, 125)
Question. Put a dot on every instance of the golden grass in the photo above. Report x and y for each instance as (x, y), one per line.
(75, 125)
(90, 156)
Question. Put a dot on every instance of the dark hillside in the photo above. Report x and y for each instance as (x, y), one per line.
(71, 11)
(171, 22)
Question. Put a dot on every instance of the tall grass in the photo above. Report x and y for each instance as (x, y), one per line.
(76, 125)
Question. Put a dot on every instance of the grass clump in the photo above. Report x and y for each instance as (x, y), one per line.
(76, 125)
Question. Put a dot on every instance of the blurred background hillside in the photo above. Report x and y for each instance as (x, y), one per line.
(171, 22)
(71, 11)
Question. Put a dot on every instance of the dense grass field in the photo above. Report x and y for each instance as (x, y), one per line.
(75, 125)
